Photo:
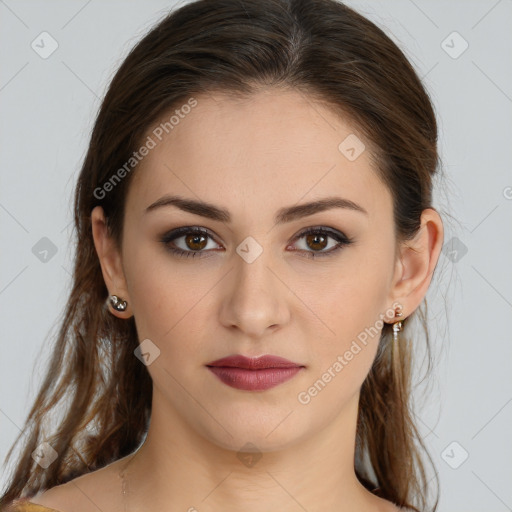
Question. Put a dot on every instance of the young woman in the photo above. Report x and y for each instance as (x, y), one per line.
(255, 235)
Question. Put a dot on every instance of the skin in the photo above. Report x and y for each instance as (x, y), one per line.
(253, 157)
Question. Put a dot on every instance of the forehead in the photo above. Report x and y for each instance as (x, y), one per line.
(274, 147)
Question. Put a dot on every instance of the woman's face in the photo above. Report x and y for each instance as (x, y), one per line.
(248, 287)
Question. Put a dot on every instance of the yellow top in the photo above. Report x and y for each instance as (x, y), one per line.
(24, 505)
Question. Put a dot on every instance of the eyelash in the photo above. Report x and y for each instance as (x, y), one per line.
(342, 240)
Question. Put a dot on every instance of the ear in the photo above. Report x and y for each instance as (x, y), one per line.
(417, 262)
(110, 261)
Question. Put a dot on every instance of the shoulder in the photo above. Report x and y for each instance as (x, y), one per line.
(88, 493)
(26, 505)
(56, 499)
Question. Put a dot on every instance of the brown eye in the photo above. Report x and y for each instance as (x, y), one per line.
(193, 242)
(196, 242)
(317, 242)
(188, 242)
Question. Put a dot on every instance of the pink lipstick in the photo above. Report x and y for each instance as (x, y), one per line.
(253, 373)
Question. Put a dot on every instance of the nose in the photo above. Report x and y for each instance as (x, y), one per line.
(255, 301)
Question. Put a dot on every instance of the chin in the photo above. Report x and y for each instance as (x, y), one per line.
(270, 435)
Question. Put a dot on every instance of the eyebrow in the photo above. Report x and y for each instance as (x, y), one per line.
(287, 214)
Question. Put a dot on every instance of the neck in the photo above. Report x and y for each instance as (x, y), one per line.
(182, 468)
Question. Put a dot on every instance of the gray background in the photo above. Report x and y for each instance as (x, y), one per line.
(47, 107)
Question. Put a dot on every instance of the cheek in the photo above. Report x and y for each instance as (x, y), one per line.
(353, 307)
(170, 302)
(341, 361)
(159, 294)
(357, 297)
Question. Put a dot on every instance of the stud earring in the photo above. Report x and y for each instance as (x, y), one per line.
(117, 303)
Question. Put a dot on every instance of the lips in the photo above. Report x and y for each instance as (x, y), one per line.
(253, 374)
(254, 363)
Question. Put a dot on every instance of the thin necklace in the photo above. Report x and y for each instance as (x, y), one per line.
(124, 483)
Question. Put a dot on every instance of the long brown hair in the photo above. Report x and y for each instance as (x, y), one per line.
(329, 53)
